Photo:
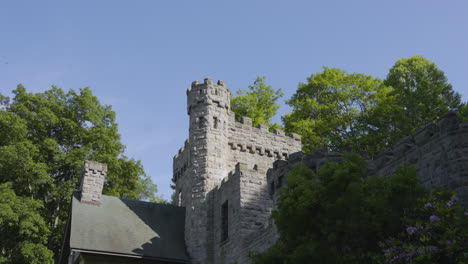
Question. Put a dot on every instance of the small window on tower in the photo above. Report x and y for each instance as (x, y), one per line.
(215, 120)
(201, 121)
(224, 221)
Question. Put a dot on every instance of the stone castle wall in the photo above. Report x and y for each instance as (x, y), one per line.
(438, 151)
(224, 161)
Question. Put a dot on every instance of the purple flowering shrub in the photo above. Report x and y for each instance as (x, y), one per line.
(436, 233)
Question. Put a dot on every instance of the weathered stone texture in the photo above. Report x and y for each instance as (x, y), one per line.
(92, 182)
(439, 152)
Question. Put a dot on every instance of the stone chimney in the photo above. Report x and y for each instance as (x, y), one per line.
(92, 182)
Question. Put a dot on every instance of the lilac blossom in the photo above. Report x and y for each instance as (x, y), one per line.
(433, 249)
(454, 198)
(412, 229)
(428, 205)
(434, 218)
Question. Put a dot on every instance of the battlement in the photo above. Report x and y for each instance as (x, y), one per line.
(208, 93)
(246, 123)
(260, 141)
(181, 161)
(241, 167)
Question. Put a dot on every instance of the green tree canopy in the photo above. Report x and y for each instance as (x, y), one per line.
(338, 215)
(258, 103)
(336, 110)
(45, 139)
(339, 111)
(422, 94)
(24, 231)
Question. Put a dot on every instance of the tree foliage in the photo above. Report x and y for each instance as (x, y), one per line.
(339, 111)
(336, 110)
(258, 103)
(45, 139)
(422, 94)
(337, 215)
(24, 231)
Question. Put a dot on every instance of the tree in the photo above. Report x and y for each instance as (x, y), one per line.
(24, 231)
(338, 215)
(335, 109)
(259, 103)
(45, 139)
(422, 93)
(463, 112)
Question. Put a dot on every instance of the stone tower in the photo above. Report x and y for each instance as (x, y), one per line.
(220, 176)
(201, 164)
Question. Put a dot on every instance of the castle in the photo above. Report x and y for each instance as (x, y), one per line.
(220, 177)
(227, 177)
(228, 172)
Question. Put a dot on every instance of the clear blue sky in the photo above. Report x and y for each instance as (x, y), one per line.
(140, 56)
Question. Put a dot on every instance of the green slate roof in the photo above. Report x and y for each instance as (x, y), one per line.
(128, 227)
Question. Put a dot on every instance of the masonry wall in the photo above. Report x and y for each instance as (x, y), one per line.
(226, 251)
(258, 146)
(439, 152)
(250, 205)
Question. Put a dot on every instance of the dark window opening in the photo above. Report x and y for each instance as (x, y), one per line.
(224, 221)
(280, 181)
(215, 120)
(202, 122)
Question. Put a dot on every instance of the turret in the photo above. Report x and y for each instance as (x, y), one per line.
(208, 105)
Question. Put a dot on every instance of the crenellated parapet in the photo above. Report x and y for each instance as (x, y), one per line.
(181, 161)
(259, 141)
(208, 93)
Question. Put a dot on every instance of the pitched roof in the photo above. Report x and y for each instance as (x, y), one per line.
(128, 227)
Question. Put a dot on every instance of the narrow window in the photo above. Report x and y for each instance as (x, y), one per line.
(215, 119)
(201, 122)
(224, 221)
(280, 181)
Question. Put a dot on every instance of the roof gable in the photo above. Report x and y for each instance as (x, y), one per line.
(128, 227)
